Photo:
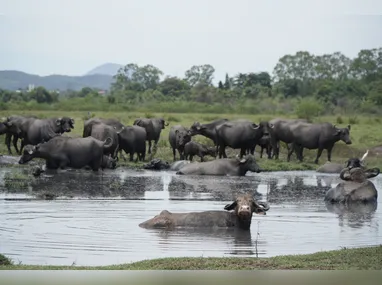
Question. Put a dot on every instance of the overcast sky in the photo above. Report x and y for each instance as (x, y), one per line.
(73, 36)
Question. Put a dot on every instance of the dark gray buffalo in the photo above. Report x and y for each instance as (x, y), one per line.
(88, 126)
(10, 129)
(279, 130)
(207, 130)
(331, 167)
(132, 140)
(101, 132)
(22, 124)
(178, 137)
(237, 215)
(42, 130)
(221, 167)
(355, 186)
(317, 136)
(62, 152)
(153, 128)
(239, 134)
(193, 148)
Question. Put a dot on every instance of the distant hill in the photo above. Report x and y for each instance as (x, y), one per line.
(106, 69)
(13, 80)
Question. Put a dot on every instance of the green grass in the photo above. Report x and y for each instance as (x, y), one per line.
(343, 259)
(365, 133)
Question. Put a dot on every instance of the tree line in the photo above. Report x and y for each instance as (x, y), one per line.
(302, 82)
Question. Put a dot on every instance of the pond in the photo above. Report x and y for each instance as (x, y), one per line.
(94, 218)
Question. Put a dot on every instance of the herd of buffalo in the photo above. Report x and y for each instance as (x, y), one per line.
(104, 141)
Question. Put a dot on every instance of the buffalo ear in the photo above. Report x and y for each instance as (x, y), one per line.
(58, 121)
(349, 127)
(230, 207)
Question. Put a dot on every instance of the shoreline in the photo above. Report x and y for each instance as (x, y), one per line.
(369, 257)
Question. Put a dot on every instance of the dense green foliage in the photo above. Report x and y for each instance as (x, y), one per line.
(305, 84)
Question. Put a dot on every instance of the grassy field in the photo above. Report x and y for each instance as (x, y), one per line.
(365, 133)
(343, 259)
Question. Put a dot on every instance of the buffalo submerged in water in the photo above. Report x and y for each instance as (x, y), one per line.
(221, 167)
(237, 215)
(356, 186)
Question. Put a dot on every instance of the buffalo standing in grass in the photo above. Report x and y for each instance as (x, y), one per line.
(43, 130)
(132, 140)
(101, 132)
(178, 137)
(317, 136)
(238, 134)
(279, 130)
(22, 123)
(207, 130)
(193, 148)
(237, 215)
(153, 128)
(116, 124)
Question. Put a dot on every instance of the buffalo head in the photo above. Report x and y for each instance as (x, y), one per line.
(182, 137)
(249, 163)
(196, 128)
(358, 174)
(9, 126)
(244, 206)
(64, 124)
(157, 164)
(343, 134)
(162, 123)
(30, 152)
(109, 162)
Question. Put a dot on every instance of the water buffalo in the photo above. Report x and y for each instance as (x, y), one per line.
(10, 129)
(116, 124)
(330, 167)
(238, 134)
(178, 137)
(153, 129)
(42, 130)
(237, 215)
(62, 152)
(207, 130)
(88, 125)
(132, 140)
(279, 131)
(177, 165)
(157, 164)
(22, 124)
(101, 132)
(356, 187)
(264, 143)
(317, 136)
(193, 148)
(225, 166)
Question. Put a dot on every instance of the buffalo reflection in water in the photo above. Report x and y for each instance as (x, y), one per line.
(215, 188)
(242, 241)
(292, 188)
(354, 215)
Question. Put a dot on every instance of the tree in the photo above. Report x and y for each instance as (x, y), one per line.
(200, 74)
(227, 82)
(173, 86)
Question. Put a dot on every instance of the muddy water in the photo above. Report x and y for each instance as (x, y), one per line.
(94, 218)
